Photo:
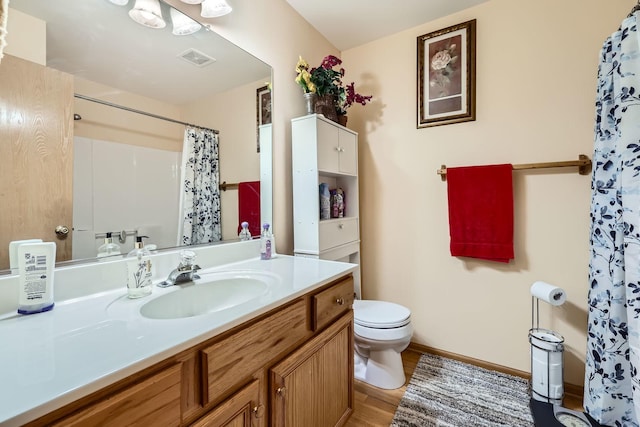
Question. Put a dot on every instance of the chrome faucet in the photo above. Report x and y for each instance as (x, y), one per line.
(186, 271)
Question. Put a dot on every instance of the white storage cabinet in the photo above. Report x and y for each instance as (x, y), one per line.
(325, 152)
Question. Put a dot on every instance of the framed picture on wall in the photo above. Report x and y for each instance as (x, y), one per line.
(263, 109)
(447, 75)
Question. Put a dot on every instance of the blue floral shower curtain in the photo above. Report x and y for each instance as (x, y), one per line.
(612, 389)
(200, 192)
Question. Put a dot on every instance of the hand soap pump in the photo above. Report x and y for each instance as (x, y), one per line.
(266, 242)
(139, 270)
(245, 234)
(108, 248)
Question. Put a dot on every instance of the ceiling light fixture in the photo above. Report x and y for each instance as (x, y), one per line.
(147, 13)
(119, 2)
(182, 24)
(214, 8)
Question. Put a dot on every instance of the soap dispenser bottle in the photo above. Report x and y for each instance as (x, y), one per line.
(139, 270)
(266, 242)
(244, 234)
(108, 248)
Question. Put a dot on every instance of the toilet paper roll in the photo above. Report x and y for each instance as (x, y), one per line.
(548, 293)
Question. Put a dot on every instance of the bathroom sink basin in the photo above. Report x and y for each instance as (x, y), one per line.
(213, 292)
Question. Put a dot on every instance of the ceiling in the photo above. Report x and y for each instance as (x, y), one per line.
(96, 40)
(350, 23)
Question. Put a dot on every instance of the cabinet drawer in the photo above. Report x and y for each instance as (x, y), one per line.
(154, 401)
(336, 232)
(231, 360)
(331, 303)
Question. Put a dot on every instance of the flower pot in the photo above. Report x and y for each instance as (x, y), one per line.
(342, 119)
(310, 102)
(326, 105)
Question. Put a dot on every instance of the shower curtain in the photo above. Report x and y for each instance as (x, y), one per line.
(200, 192)
(612, 390)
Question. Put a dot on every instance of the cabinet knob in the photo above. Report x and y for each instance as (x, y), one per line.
(341, 226)
(258, 411)
(280, 391)
(339, 301)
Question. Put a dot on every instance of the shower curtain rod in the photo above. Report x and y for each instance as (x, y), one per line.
(144, 113)
(583, 163)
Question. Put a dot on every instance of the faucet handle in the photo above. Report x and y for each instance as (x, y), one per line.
(187, 258)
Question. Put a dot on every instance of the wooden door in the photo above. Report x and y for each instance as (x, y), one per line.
(36, 154)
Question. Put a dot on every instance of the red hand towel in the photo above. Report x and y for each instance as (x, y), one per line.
(481, 212)
(249, 206)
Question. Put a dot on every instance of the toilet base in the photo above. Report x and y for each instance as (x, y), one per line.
(382, 369)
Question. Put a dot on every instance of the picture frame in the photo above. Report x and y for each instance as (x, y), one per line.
(447, 75)
(263, 110)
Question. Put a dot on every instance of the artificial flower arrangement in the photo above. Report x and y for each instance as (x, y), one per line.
(325, 80)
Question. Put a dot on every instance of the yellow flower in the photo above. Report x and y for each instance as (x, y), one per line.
(304, 77)
(301, 65)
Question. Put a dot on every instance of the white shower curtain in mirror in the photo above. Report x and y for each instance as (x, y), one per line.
(200, 192)
(612, 393)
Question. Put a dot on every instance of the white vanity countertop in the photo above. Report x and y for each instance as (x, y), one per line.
(48, 360)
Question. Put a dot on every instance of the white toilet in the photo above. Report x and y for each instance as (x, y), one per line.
(382, 331)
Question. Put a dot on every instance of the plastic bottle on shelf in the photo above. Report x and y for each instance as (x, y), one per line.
(244, 234)
(325, 201)
(266, 242)
(337, 203)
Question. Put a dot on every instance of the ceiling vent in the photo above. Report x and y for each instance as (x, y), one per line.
(196, 57)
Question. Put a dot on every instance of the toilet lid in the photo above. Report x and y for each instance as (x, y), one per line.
(380, 314)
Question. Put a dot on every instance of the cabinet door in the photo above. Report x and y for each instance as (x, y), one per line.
(314, 386)
(348, 153)
(328, 147)
(243, 409)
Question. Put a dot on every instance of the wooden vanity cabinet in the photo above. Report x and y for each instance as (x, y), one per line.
(292, 366)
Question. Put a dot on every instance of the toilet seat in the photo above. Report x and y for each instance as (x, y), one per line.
(380, 314)
(386, 335)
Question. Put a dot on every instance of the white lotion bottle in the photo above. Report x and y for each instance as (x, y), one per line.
(35, 269)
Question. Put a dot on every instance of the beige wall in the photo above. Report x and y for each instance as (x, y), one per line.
(26, 37)
(112, 124)
(536, 80)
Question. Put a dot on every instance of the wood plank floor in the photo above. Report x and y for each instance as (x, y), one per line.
(374, 407)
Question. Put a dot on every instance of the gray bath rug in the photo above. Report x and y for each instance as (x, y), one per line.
(447, 393)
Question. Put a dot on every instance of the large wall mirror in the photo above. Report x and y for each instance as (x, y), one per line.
(117, 168)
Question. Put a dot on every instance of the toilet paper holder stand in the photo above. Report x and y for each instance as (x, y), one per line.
(549, 343)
